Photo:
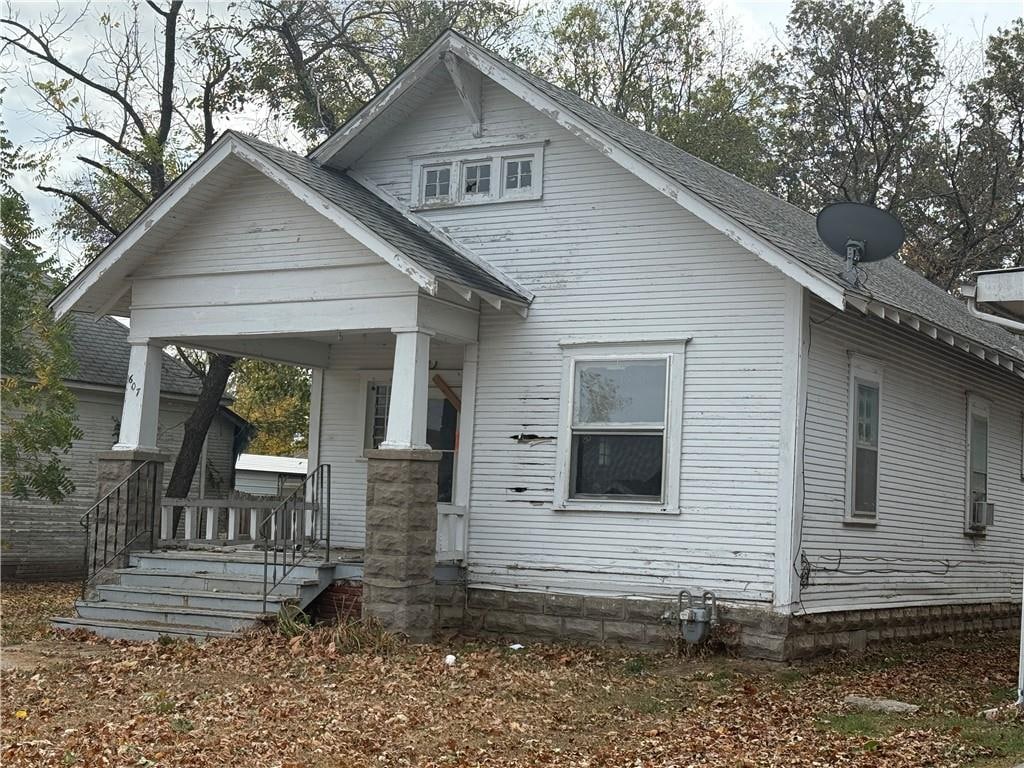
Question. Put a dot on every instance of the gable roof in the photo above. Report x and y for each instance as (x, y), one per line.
(398, 238)
(779, 232)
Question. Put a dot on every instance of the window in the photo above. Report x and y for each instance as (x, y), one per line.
(977, 452)
(437, 183)
(518, 174)
(442, 428)
(476, 178)
(864, 429)
(620, 433)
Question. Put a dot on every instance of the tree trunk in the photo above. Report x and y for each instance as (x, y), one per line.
(197, 425)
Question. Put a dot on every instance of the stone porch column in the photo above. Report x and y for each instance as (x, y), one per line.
(401, 540)
(401, 501)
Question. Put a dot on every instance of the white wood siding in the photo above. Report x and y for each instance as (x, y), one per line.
(606, 254)
(342, 422)
(44, 541)
(917, 553)
(259, 253)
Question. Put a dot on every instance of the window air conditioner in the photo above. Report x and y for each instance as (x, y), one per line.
(982, 515)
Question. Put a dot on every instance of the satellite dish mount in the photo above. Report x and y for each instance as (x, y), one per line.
(859, 233)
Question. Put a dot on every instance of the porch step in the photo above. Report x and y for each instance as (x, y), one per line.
(239, 602)
(245, 563)
(194, 594)
(304, 591)
(137, 631)
(229, 621)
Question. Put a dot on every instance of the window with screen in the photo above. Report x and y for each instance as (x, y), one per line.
(864, 427)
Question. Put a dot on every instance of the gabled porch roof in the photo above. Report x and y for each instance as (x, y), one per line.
(397, 237)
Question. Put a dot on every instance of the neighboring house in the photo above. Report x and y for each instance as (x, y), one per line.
(43, 540)
(268, 475)
(645, 375)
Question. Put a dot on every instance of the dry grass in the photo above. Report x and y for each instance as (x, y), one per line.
(352, 697)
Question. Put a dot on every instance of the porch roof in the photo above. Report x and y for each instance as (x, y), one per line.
(407, 244)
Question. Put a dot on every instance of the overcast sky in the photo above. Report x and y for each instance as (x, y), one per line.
(958, 22)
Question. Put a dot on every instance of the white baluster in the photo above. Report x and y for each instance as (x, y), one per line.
(233, 521)
(191, 514)
(212, 518)
(166, 522)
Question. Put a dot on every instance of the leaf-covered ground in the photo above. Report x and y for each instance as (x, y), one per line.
(347, 697)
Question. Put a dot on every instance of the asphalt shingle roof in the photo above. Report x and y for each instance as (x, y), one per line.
(434, 255)
(788, 228)
(101, 349)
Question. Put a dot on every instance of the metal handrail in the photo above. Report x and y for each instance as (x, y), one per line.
(313, 495)
(121, 498)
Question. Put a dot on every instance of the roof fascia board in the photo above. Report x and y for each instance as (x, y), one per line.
(441, 235)
(936, 333)
(99, 267)
(339, 216)
(732, 229)
(371, 111)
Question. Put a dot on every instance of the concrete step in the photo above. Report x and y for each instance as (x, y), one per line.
(181, 598)
(135, 613)
(246, 563)
(303, 590)
(137, 631)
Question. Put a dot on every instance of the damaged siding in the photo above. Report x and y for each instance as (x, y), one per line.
(606, 254)
(917, 553)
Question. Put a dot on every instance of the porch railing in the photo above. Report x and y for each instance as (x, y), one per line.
(215, 521)
(299, 524)
(126, 515)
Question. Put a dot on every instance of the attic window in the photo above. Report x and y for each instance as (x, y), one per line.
(487, 176)
(476, 178)
(518, 174)
(437, 182)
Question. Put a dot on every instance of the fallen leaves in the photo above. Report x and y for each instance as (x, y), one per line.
(347, 696)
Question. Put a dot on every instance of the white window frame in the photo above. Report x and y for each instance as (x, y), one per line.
(868, 371)
(453, 181)
(458, 161)
(614, 349)
(473, 196)
(976, 406)
(518, 193)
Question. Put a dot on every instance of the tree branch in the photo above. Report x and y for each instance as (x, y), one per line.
(115, 175)
(85, 205)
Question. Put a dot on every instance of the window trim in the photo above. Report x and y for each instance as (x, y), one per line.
(597, 350)
(453, 179)
(866, 370)
(457, 162)
(976, 406)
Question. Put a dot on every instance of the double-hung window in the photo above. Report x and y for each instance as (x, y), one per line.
(620, 427)
(865, 421)
(977, 451)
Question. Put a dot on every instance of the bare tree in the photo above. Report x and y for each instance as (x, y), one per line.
(125, 98)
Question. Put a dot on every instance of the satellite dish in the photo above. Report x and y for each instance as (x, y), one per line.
(859, 233)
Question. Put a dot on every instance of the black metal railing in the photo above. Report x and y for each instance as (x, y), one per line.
(299, 525)
(124, 516)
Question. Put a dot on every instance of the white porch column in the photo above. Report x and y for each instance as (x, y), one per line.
(141, 409)
(407, 412)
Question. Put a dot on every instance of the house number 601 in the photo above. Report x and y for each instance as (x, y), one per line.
(133, 386)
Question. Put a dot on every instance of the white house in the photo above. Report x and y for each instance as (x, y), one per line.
(642, 374)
